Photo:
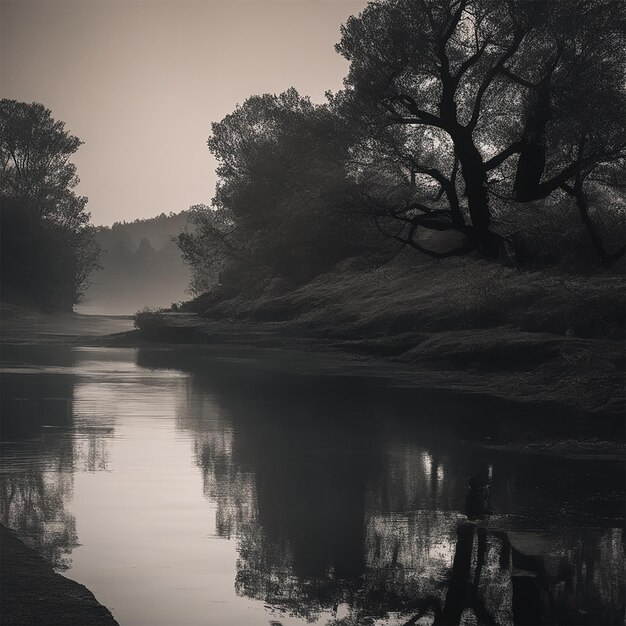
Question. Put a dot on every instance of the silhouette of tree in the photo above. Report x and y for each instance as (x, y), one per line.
(35, 161)
(476, 100)
(48, 249)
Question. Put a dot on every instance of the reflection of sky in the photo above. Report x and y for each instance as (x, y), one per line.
(150, 551)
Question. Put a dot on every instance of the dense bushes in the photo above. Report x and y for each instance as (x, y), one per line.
(148, 320)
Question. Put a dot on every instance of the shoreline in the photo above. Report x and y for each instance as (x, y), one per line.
(570, 377)
(582, 375)
(33, 594)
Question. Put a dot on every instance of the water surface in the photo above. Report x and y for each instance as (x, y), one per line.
(188, 488)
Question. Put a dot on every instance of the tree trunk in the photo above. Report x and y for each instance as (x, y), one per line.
(475, 178)
(532, 158)
(608, 258)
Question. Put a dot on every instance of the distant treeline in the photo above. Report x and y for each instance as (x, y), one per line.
(141, 265)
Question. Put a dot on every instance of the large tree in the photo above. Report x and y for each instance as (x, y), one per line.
(48, 248)
(481, 99)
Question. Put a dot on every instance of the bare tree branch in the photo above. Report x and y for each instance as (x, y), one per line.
(454, 22)
(517, 79)
(470, 61)
(423, 117)
(500, 158)
(518, 37)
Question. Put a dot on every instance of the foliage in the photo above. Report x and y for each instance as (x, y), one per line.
(488, 125)
(35, 150)
(284, 201)
(206, 250)
(48, 248)
(464, 102)
(148, 320)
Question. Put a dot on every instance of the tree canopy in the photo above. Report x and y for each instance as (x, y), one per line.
(485, 99)
(283, 201)
(48, 249)
(486, 126)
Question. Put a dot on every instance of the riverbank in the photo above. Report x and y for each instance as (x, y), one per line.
(33, 594)
(584, 375)
(461, 326)
(458, 325)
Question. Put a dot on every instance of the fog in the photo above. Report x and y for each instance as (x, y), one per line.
(141, 267)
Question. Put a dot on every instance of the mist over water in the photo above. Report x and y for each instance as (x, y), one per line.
(184, 488)
(141, 266)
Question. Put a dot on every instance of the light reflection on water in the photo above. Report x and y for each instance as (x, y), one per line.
(182, 490)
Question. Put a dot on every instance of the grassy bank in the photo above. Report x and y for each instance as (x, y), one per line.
(460, 324)
(33, 594)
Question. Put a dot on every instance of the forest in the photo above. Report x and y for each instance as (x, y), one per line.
(376, 376)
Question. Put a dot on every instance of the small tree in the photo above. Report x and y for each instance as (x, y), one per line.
(207, 250)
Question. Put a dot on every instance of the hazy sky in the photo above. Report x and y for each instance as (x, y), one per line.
(141, 81)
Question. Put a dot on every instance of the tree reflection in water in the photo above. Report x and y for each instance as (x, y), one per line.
(33, 503)
(41, 448)
(336, 516)
(345, 497)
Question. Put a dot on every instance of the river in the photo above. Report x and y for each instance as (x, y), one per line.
(194, 486)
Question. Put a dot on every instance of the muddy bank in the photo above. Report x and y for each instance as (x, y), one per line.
(33, 594)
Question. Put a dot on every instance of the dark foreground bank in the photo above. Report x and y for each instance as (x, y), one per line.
(33, 594)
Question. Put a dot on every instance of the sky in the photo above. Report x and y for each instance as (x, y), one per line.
(140, 81)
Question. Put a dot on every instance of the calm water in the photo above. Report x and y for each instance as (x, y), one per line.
(187, 489)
